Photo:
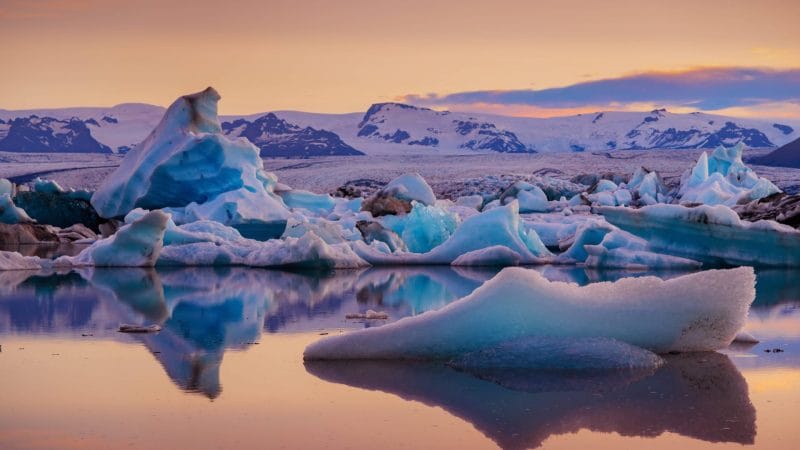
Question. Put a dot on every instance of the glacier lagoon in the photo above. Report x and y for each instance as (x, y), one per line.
(226, 370)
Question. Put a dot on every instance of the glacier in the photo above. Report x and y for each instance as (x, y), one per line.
(520, 303)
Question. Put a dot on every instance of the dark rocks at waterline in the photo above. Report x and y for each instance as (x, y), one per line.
(59, 209)
(383, 203)
(782, 208)
(27, 233)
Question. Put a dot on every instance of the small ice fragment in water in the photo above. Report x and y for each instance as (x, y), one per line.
(369, 315)
(139, 328)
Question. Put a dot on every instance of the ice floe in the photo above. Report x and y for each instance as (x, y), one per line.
(498, 226)
(698, 312)
(713, 235)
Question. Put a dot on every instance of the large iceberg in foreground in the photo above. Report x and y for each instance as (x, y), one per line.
(713, 235)
(697, 312)
(189, 166)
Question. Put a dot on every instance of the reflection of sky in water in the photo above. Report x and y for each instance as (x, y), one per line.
(205, 312)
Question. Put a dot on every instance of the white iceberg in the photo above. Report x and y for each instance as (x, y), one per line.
(411, 187)
(723, 179)
(713, 235)
(190, 167)
(135, 245)
(698, 312)
(531, 198)
(308, 251)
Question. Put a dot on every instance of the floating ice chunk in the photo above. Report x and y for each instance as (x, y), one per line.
(308, 251)
(647, 183)
(127, 328)
(15, 261)
(11, 213)
(135, 245)
(711, 234)
(46, 186)
(369, 315)
(623, 197)
(697, 312)
(330, 232)
(411, 186)
(498, 226)
(559, 353)
(6, 187)
(496, 255)
(600, 244)
(470, 201)
(315, 203)
(605, 186)
(603, 198)
(424, 228)
(188, 165)
(531, 198)
(723, 179)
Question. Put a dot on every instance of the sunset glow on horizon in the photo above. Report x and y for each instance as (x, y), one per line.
(342, 56)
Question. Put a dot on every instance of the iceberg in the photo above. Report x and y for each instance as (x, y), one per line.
(600, 244)
(723, 179)
(531, 198)
(698, 312)
(135, 245)
(11, 213)
(713, 235)
(411, 187)
(424, 228)
(314, 203)
(498, 226)
(190, 168)
(307, 252)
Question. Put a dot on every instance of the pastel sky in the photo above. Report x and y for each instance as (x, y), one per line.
(537, 58)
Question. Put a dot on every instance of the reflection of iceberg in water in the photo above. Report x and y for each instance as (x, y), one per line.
(202, 313)
(414, 290)
(701, 396)
(53, 303)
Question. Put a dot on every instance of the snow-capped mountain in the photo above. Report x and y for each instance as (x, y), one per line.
(48, 134)
(277, 137)
(392, 128)
(396, 129)
(106, 130)
(405, 124)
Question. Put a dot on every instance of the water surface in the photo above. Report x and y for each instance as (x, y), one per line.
(226, 371)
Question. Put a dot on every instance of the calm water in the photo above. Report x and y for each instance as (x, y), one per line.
(226, 371)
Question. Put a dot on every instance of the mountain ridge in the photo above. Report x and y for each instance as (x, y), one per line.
(392, 128)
